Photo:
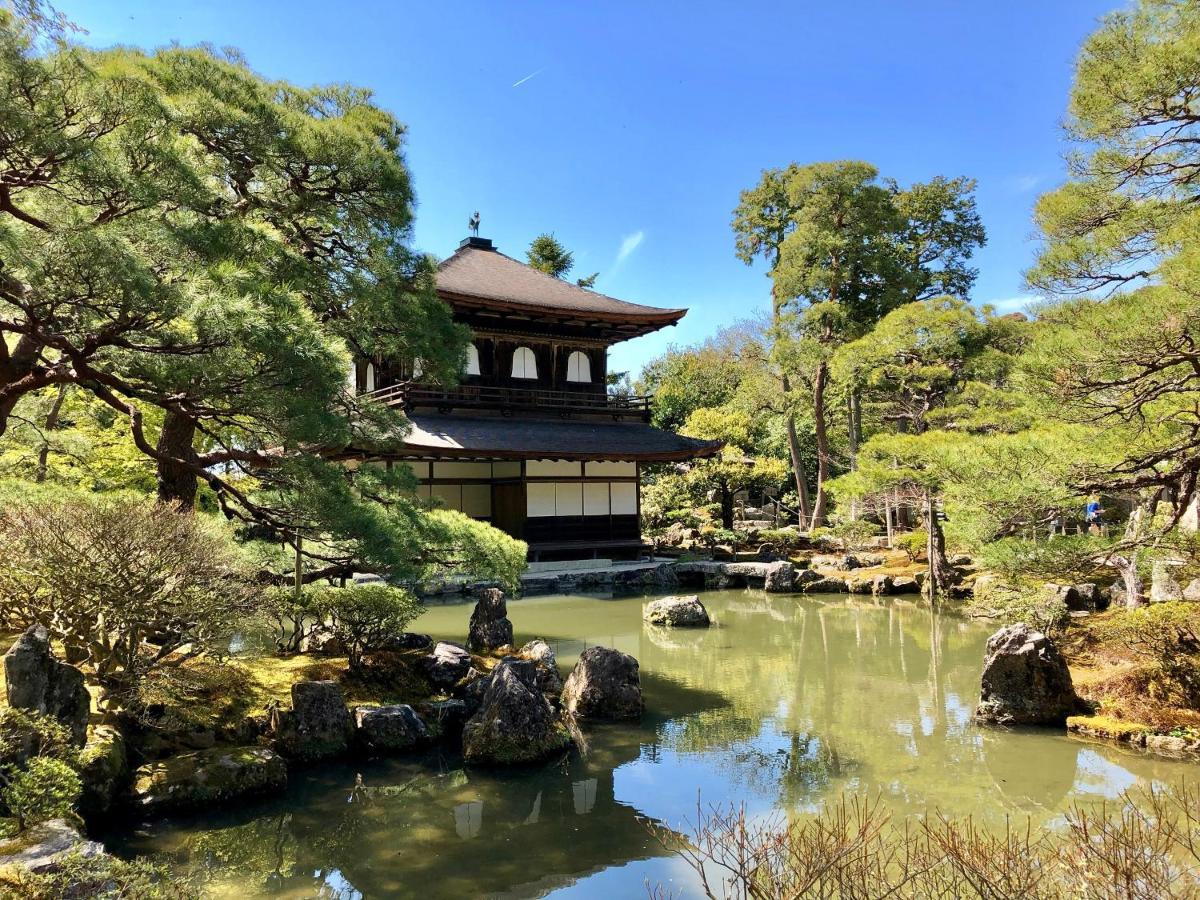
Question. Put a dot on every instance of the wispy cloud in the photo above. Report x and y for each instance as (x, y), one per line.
(527, 77)
(1023, 184)
(629, 243)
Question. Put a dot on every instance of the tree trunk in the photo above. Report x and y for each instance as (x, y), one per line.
(822, 437)
(1127, 566)
(727, 508)
(50, 425)
(176, 481)
(939, 578)
(798, 473)
(854, 435)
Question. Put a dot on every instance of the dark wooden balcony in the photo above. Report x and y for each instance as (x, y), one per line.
(508, 399)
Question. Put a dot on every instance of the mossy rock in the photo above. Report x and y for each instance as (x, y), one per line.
(207, 777)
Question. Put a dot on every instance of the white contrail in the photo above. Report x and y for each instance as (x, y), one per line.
(526, 78)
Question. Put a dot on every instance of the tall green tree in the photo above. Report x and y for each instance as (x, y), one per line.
(1134, 117)
(1121, 364)
(931, 366)
(204, 251)
(547, 254)
(845, 247)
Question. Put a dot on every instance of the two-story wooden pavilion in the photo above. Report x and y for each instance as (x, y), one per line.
(531, 440)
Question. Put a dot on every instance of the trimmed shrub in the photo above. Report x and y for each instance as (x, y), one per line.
(913, 543)
(365, 616)
(126, 585)
(40, 790)
(852, 535)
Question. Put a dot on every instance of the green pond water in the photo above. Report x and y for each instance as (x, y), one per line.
(787, 703)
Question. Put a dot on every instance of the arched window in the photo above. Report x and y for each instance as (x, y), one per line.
(579, 367)
(472, 360)
(370, 383)
(524, 363)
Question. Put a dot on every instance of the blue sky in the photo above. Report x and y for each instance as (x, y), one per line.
(628, 128)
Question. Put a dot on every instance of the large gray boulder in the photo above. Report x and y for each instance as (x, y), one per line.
(36, 680)
(1164, 588)
(446, 665)
(514, 723)
(779, 578)
(541, 655)
(208, 777)
(490, 627)
(318, 726)
(43, 847)
(1025, 680)
(677, 612)
(605, 684)
(1191, 593)
(389, 729)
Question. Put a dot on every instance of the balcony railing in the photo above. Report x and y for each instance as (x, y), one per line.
(470, 396)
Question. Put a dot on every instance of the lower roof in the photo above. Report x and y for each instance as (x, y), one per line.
(501, 437)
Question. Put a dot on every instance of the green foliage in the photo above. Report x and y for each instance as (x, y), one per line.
(1036, 606)
(1133, 117)
(43, 788)
(1168, 634)
(1063, 559)
(26, 733)
(724, 370)
(914, 543)
(365, 616)
(124, 583)
(99, 877)
(547, 255)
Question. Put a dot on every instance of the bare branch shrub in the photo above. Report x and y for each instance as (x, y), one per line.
(1145, 846)
(126, 585)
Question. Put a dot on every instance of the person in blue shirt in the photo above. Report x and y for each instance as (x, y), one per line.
(1092, 514)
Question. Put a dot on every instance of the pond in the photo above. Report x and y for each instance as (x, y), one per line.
(787, 703)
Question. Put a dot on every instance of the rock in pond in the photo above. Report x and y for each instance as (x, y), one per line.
(444, 719)
(389, 729)
(195, 780)
(825, 585)
(104, 770)
(490, 627)
(541, 655)
(35, 680)
(318, 726)
(515, 723)
(446, 665)
(605, 684)
(677, 612)
(779, 578)
(1025, 680)
(42, 847)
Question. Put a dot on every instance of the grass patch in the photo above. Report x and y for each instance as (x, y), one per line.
(1126, 687)
(1108, 727)
(387, 678)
